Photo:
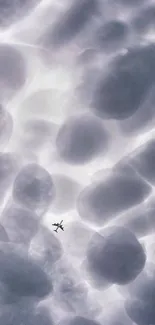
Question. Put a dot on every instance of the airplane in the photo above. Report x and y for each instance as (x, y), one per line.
(58, 225)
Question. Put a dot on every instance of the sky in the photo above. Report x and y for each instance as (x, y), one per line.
(77, 144)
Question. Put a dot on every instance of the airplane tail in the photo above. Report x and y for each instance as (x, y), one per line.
(55, 230)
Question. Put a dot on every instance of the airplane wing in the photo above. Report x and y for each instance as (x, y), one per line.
(62, 228)
(55, 224)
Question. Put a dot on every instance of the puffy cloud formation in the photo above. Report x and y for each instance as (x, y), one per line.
(77, 146)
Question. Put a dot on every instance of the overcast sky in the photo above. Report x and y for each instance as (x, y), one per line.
(77, 143)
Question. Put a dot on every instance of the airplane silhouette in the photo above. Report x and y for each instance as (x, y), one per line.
(58, 225)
